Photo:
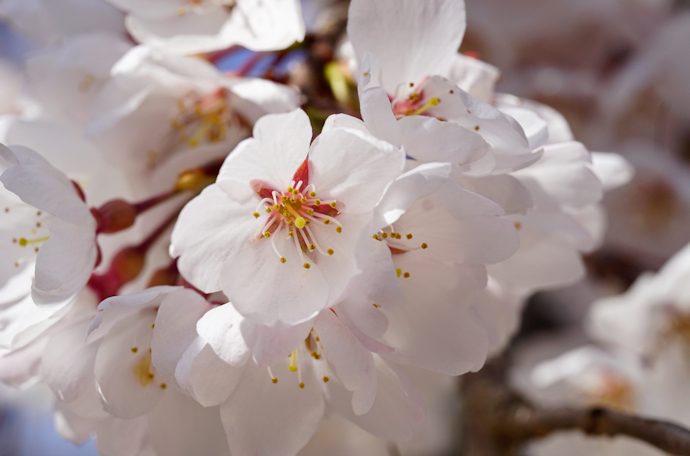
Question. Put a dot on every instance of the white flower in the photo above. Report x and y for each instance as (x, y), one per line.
(55, 226)
(287, 214)
(413, 53)
(212, 25)
(419, 290)
(159, 114)
(272, 399)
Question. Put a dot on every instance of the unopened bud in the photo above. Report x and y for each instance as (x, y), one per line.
(115, 216)
(128, 264)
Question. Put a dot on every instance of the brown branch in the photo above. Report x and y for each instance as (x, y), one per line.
(498, 421)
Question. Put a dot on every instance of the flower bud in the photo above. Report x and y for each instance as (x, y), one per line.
(115, 215)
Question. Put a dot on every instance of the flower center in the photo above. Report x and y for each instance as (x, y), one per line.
(312, 347)
(203, 119)
(26, 240)
(399, 241)
(299, 215)
(414, 101)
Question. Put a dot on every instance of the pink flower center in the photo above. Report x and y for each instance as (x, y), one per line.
(414, 102)
(298, 214)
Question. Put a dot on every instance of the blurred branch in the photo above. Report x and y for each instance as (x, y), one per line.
(498, 421)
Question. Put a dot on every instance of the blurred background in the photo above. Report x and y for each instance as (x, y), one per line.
(618, 70)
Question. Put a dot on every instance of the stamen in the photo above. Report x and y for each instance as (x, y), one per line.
(23, 241)
(273, 379)
(292, 367)
(432, 102)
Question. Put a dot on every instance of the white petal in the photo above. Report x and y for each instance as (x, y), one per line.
(220, 328)
(271, 345)
(563, 173)
(41, 185)
(126, 377)
(178, 426)
(68, 361)
(354, 364)
(430, 140)
(210, 230)
(65, 262)
(612, 169)
(393, 415)
(272, 419)
(175, 329)
(437, 329)
(353, 168)
(278, 148)
(378, 115)
(411, 39)
(212, 380)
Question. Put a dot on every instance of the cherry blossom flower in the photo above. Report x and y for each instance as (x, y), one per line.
(53, 225)
(189, 27)
(285, 213)
(281, 399)
(159, 114)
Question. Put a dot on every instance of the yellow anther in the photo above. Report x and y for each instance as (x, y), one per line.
(291, 233)
(300, 222)
(289, 190)
(326, 222)
(333, 204)
(307, 265)
(414, 96)
(135, 349)
(274, 380)
(312, 194)
(518, 225)
(317, 338)
(398, 236)
(292, 367)
(406, 275)
(304, 199)
(409, 236)
(384, 235)
(314, 354)
(283, 260)
(312, 246)
(295, 192)
(339, 229)
(163, 386)
(330, 251)
(376, 305)
(267, 234)
(434, 101)
(308, 222)
(325, 379)
(301, 385)
(276, 206)
(424, 245)
(398, 271)
(269, 210)
(23, 241)
(310, 212)
(317, 202)
(376, 236)
(476, 128)
(256, 215)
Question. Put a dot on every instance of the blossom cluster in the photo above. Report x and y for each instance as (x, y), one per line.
(194, 264)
